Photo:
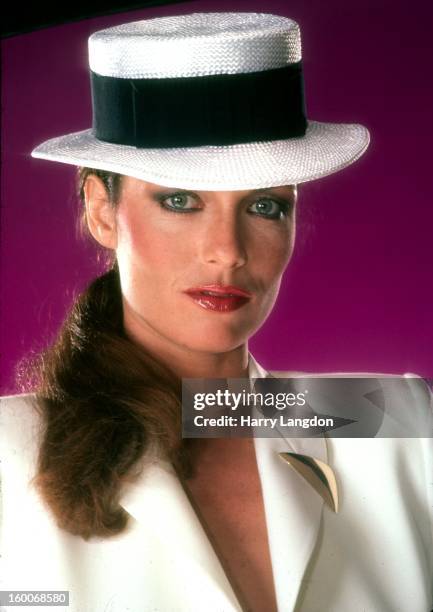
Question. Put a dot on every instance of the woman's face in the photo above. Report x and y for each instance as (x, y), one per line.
(176, 248)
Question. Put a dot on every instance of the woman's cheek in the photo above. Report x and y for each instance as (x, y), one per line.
(274, 239)
(277, 258)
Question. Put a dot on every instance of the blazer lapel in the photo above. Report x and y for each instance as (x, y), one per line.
(293, 508)
(293, 513)
(158, 502)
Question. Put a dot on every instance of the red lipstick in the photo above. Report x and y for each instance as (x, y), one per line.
(219, 298)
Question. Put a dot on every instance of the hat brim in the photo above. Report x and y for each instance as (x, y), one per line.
(326, 148)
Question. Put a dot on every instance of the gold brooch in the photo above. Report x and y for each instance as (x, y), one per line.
(318, 474)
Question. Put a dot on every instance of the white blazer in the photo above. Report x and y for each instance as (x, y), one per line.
(375, 555)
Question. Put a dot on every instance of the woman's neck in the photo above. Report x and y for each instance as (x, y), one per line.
(233, 364)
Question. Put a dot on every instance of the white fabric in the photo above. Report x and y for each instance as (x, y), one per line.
(326, 148)
(375, 555)
(195, 45)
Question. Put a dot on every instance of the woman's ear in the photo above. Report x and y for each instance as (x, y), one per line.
(100, 212)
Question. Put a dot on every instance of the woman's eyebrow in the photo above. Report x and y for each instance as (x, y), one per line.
(288, 188)
(171, 190)
(162, 192)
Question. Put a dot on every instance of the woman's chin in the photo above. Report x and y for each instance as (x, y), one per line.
(222, 340)
(216, 333)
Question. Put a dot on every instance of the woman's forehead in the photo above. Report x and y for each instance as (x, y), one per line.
(149, 187)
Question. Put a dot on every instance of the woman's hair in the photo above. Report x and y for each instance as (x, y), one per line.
(105, 403)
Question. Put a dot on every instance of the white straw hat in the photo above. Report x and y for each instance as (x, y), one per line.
(205, 101)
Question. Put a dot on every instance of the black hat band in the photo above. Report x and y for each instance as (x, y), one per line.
(198, 111)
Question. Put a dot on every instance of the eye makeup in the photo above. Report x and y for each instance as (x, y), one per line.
(180, 198)
(283, 207)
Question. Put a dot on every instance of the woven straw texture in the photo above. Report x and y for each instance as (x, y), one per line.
(326, 148)
(195, 45)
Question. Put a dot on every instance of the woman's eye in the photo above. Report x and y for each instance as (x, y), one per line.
(267, 207)
(179, 202)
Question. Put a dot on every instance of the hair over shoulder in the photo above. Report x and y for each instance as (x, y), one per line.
(105, 402)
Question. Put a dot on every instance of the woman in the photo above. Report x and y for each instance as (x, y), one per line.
(189, 179)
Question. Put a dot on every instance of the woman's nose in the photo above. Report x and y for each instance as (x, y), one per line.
(223, 242)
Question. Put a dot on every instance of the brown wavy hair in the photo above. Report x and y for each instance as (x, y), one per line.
(105, 401)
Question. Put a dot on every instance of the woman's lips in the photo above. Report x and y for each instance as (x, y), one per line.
(219, 298)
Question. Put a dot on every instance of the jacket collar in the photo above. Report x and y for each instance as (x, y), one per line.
(158, 502)
(293, 508)
(293, 512)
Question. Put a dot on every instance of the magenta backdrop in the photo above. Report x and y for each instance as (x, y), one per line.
(358, 295)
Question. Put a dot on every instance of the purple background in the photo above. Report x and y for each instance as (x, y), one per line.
(358, 295)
